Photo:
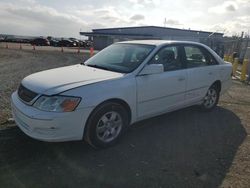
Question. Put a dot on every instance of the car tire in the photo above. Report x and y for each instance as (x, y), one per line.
(106, 125)
(211, 99)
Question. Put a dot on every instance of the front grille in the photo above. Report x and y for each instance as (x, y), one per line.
(26, 94)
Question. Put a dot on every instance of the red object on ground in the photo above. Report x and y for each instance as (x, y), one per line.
(91, 51)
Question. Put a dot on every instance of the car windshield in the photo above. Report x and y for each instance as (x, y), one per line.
(120, 57)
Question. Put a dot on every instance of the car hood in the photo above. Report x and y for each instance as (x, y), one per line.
(57, 80)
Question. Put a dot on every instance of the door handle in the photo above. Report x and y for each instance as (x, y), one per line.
(181, 79)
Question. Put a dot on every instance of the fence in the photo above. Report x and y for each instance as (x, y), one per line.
(239, 45)
(240, 71)
(22, 46)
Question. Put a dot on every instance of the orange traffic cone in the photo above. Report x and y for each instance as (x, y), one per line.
(91, 51)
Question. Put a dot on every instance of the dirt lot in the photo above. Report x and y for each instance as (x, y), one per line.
(186, 148)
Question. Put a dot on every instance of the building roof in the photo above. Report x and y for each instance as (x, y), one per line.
(106, 30)
(109, 34)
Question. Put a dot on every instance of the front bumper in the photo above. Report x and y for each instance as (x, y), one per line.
(49, 126)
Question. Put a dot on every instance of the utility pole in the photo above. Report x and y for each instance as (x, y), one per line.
(239, 42)
(165, 22)
(246, 46)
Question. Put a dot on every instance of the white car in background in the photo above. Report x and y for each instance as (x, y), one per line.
(122, 84)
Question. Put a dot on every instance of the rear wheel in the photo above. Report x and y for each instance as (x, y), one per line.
(211, 99)
(106, 125)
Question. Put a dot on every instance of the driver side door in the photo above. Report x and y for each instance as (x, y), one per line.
(162, 92)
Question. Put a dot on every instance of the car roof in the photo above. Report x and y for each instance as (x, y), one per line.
(158, 42)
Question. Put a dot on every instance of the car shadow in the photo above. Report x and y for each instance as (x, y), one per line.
(186, 148)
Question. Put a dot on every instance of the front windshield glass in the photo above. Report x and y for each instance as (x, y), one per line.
(120, 57)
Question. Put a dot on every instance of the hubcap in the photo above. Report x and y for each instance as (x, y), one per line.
(210, 98)
(109, 126)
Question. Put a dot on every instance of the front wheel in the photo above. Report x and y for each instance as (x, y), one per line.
(106, 124)
(211, 99)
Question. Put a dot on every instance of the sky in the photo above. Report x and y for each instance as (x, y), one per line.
(65, 18)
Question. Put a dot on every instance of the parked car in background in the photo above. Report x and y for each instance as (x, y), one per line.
(25, 40)
(88, 43)
(67, 43)
(17, 39)
(52, 41)
(1, 39)
(75, 40)
(10, 39)
(40, 42)
(82, 43)
(122, 84)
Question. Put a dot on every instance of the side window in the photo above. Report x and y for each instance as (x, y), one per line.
(210, 59)
(169, 57)
(196, 57)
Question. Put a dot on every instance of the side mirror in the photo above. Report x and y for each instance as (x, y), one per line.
(152, 69)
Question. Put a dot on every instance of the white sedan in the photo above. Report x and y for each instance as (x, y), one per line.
(122, 84)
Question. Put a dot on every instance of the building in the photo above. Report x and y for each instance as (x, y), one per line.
(104, 37)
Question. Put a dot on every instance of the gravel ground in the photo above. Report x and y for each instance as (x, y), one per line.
(186, 148)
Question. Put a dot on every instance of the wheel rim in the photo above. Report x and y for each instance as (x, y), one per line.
(210, 98)
(109, 126)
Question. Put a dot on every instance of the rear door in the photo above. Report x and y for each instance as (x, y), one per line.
(202, 70)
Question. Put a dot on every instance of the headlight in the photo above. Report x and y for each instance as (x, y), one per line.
(57, 103)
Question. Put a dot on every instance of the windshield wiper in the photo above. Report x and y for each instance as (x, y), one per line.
(97, 66)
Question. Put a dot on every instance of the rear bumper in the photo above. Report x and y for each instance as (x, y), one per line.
(49, 126)
(225, 85)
